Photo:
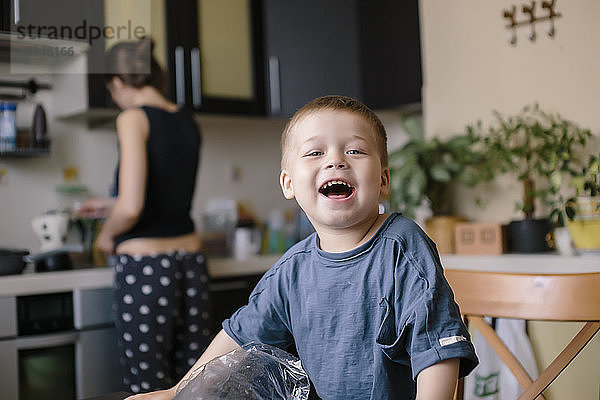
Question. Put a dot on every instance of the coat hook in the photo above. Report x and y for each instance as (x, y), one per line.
(512, 37)
(532, 35)
(551, 16)
(510, 15)
(550, 29)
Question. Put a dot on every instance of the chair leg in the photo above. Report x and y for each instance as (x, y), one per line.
(459, 393)
(503, 352)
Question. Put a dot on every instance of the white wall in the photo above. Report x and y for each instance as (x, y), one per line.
(28, 186)
(250, 144)
(470, 69)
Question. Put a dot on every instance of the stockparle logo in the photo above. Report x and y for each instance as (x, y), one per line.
(84, 32)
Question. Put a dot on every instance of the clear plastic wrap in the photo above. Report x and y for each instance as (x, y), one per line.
(252, 372)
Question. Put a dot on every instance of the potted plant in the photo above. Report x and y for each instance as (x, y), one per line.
(423, 172)
(583, 211)
(539, 148)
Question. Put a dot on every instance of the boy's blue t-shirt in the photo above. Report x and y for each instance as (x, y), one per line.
(365, 322)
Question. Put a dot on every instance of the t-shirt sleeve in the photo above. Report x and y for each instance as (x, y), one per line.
(264, 318)
(428, 327)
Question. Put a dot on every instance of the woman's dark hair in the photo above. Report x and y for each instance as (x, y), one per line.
(135, 65)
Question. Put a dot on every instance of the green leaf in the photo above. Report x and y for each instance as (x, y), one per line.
(439, 173)
(416, 185)
(555, 180)
(413, 127)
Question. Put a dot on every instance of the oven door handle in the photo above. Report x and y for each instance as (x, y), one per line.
(47, 340)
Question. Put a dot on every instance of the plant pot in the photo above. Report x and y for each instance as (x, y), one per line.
(528, 236)
(587, 208)
(585, 234)
(441, 230)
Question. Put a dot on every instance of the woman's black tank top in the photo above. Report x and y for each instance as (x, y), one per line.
(173, 151)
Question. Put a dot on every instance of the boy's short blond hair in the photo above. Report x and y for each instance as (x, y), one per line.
(337, 103)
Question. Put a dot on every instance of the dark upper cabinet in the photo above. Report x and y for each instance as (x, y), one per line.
(263, 57)
(272, 56)
(369, 49)
(215, 55)
(38, 16)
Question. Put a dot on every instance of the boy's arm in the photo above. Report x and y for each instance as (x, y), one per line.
(438, 382)
(221, 344)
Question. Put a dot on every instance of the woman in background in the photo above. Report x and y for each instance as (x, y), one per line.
(161, 281)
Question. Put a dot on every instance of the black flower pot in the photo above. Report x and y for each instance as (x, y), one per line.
(528, 236)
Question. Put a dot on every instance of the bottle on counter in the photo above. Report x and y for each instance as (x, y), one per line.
(275, 232)
(39, 128)
(8, 126)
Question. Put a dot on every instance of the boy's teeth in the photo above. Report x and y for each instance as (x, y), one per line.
(334, 183)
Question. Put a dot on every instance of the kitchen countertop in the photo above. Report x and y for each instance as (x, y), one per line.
(96, 277)
(551, 263)
(30, 282)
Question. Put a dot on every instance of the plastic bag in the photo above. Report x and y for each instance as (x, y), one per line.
(252, 372)
(491, 379)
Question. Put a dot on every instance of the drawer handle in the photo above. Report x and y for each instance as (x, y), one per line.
(196, 78)
(274, 85)
(17, 10)
(179, 76)
(47, 341)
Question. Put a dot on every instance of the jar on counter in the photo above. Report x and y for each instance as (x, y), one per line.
(8, 126)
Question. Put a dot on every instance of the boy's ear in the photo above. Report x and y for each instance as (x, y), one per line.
(287, 187)
(384, 190)
(116, 82)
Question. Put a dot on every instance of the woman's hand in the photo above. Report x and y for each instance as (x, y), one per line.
(96, 207)
(105, 242)
(167, 394)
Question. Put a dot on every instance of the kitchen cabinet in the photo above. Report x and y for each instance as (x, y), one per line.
(269, 57)
(215, 55)
(229, 294)
(365, 49)
(122, 20)
(19, 15)
(272, 56)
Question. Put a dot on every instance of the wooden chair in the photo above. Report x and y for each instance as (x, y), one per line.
(555, 297)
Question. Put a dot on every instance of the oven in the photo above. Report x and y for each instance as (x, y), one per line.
(58, 345)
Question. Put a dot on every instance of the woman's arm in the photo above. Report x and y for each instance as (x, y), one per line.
(221, 344)
(438, 382)
(95, 207)
(132, 129)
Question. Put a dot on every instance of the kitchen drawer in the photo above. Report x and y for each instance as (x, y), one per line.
(92, 307)
(229, 295)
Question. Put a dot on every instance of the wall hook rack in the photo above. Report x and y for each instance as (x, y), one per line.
(27, 88)
(531, 19)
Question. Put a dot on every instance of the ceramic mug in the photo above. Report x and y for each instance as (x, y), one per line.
(246, 242)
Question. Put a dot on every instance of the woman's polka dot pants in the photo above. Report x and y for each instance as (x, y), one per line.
(163, 317)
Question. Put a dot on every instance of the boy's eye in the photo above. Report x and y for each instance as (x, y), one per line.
(353, 152)
(313, 153)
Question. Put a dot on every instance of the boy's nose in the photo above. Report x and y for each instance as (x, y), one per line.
(336, 165)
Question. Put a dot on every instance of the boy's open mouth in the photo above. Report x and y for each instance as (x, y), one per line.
(336, 189)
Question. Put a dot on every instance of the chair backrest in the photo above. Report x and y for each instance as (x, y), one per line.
(564, 297)
(568, 297)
